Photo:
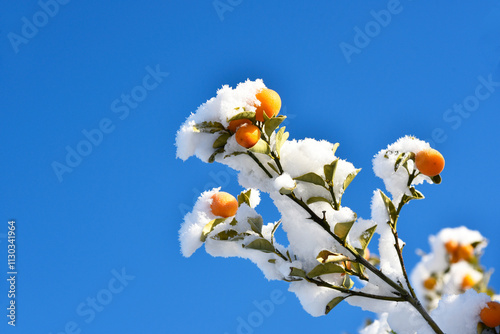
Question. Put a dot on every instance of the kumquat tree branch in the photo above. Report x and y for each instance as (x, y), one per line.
(328, 258)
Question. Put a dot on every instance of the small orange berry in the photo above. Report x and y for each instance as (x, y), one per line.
(270, 102)
(429, 162)
(490, 315)
(465, 252)
(234, 125)
(247, 135)
(468, 282)
(430, 283)
(451, 246)
(224, 204)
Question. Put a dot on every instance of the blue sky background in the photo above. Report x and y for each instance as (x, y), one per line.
(120, 207)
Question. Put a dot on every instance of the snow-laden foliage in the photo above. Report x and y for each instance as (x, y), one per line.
(328, 258)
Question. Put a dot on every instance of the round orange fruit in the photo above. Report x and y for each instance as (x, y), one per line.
(429, 162)
(247, 135)
(430, 283)
(465, 252)
(451, 246)
(468, 282)
(490, 315)
(270, 103)
(234, 125)
(224, 204)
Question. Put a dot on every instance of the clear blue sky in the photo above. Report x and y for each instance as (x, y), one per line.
(135, 70)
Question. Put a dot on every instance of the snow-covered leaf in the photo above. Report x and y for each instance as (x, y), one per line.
(341, 230)
(260, 147)
(243, 115)
(330, 170)
(221, 140)
(311, 178)
(262, 245)
(273, 123)
(327, 268)
(209, 227)
(325, 256)
(349, 178)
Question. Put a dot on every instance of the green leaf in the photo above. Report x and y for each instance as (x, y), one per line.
(366, 236)
(350, 177)
(317, 199)
(233, 222)
(481, 327)
(286, 191)
(271, 260)
(256, 224)
(270, 164)
(275, 227)
(341, 230)
(325, 256)
(246, 114)
(391, 210)
(436, 179)
(208, 127)
(330, 171)
(297, 272)
(260, 147)
(357, 268)
(334, 302)
(347, 283)
(271, 124)
(209, 227)
(226, 235)
(221, 140)
(335, 146)
(416, 194)
(281, 138)
(311, 178)
(327, 268)
(244, 197)
(262, 245)
(217, 151)
(402, 160)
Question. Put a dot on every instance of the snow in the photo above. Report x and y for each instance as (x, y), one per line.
(460, 313)
(299, 157)
(436, 262)
(383, 165)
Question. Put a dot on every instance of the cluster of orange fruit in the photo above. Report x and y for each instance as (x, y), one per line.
(456, 252)
(248, 134)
